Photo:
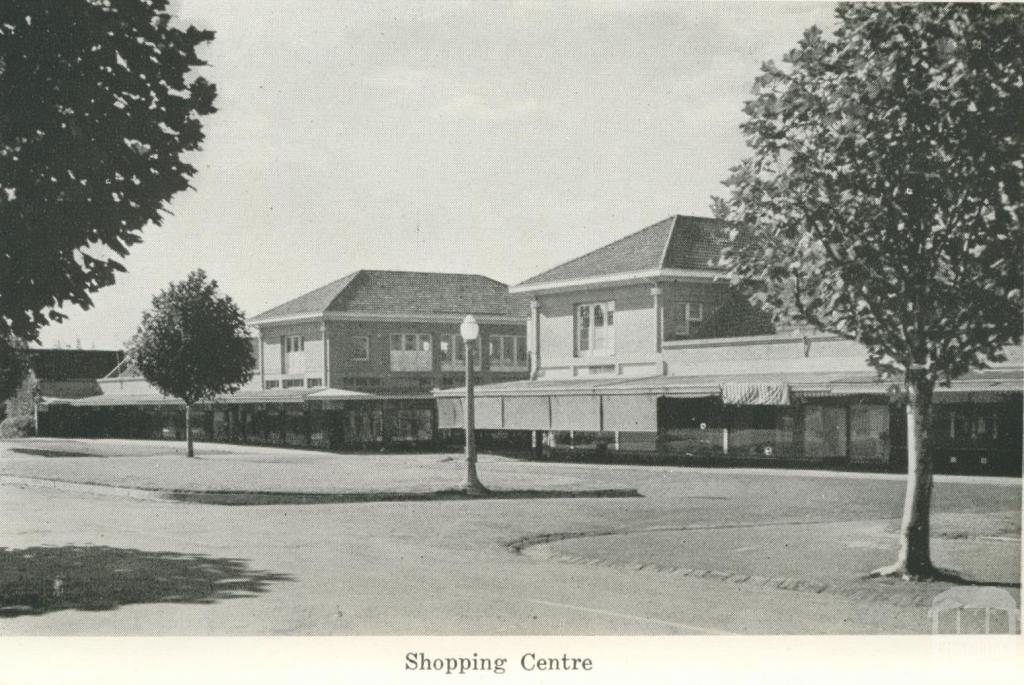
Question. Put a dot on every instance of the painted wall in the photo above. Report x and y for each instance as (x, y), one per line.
(345, 368)
(676, 293)
(634, 326)
(763, 354)
(309, 361)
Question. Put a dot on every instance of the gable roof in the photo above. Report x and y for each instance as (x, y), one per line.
(678, 242)
(404, 293)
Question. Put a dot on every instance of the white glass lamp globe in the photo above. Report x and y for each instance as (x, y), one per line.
(470, 329)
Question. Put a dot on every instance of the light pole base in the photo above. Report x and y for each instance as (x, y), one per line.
(474, 487)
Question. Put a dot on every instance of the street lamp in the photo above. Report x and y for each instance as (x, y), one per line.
(470, 331)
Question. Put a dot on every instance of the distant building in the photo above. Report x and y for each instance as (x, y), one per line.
(350, 364)
(641, 349)
(59, 374)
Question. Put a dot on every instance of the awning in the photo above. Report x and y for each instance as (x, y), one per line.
(630, 413)
(576, 412)
(760, 394)
(527, 413)
(449, 413)
(488, 413)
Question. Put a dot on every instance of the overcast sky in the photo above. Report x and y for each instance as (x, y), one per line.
(492, 138)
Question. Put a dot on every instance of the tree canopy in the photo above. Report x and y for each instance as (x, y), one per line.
(882, 197)
(193, 343)
(101, 104)
(881, 201)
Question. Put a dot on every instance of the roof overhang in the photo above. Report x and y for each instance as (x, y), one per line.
(386, 316)
(650, 275)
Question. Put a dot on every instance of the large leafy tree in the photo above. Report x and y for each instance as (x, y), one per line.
(881, 201)
(100, 103)
(193, 344)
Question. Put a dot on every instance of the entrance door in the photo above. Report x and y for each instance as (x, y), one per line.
(825, 432)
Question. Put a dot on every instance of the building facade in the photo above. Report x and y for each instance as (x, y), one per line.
(57, 375)
(349, 365)
(641, 349)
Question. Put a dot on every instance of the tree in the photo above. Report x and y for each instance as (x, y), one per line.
(13, 366)
(193, 344)
(881, 201)
(99, 107)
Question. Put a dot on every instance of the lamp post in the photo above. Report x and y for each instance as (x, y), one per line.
(470, 331)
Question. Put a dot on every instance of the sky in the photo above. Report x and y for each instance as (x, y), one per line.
(499, 138)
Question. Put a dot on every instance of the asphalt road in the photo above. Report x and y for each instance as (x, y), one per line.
(87, 564)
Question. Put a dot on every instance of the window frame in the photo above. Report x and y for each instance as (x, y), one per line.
(585, 311)
(365, 348)
(683, 320)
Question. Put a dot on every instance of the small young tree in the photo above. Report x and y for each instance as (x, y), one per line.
(193, 344)
(882, 201)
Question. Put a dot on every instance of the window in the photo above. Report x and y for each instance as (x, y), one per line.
(360, 348)
(292, 383)
(686, 320)
(507, 350)
(294, 343)
(270, 385)
(522, 356)
(445, 350)
(314, 382)
(410, 342)
(595, 329)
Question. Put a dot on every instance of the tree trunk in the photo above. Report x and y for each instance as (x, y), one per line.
(188, 430)
(914, 559)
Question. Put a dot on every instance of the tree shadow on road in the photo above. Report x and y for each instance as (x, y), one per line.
(38, 580)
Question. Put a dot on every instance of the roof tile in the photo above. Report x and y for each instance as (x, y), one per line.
(406, 292)
(678, 242)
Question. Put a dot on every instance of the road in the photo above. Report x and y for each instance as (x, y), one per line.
(99, 564)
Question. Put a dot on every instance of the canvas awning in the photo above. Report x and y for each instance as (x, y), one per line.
(576, 412)
(756, 394)
(527, 413)
(449, 413)
(630, 413)
(488, 413)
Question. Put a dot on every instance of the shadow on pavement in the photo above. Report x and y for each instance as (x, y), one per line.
(53, 454)
(238, 498)
(38, 580)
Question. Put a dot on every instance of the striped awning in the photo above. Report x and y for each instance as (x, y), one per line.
(755, 394)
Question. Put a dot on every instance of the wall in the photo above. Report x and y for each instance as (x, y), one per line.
(377, 371)
(763, 354)
(711, 295)
(635, 340)
(311, 357)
